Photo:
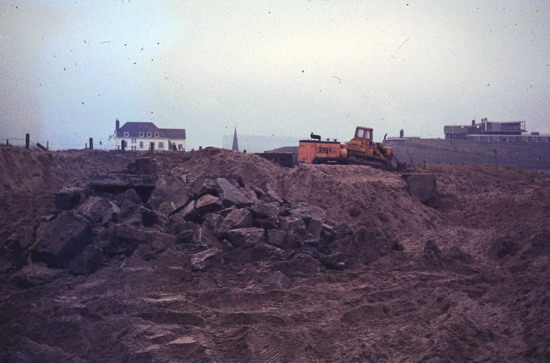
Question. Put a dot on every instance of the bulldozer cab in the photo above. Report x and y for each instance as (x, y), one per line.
(363, 133)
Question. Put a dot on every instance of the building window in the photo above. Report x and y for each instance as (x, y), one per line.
(180, 147)
(149, 134)
(156, 134)
(126, 134)
(161, 145)
(141, 144)
(141, 134)
(133, 140)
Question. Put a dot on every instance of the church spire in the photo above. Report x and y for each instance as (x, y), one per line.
(235, 146)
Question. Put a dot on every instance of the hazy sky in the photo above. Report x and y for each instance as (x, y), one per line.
(284, 68)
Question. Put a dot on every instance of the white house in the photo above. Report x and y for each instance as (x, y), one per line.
(145, 136)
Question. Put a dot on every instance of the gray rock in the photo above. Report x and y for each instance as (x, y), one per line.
(207, 204)
(171, 193)
(62, 239)
(202, 186)
(315, 227)
(206, 259)
(269, 195)
(279, 280)
(124, 239)
(99, 210)
(308, 211)
(238, 218)
(267, 223)
(230, 194)
(263, 209)
(276, 237)
(34, 275)
(157, 243)
(246, 237)
(129, 195)
(295, 228)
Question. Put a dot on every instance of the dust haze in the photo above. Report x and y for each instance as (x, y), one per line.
(69, 69)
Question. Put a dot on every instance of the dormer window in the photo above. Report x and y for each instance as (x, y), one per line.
(126, 134)
(156, 134)
(149, 134)
(141, 134)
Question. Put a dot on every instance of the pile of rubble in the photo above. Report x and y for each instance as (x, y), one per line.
(210, 219)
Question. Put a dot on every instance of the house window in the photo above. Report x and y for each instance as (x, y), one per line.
(149, 134)
(141, 144)
(156, 134)
(141, 134)
(180, 147)
(133, 140)
(126, 134)
(161, 145)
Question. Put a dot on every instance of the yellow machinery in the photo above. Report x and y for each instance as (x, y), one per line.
(359, 150)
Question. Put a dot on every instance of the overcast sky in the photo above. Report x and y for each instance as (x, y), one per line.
(282, 68)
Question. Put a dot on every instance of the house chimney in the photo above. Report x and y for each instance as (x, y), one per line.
(473, 122)
(401, 133)
(117, 123)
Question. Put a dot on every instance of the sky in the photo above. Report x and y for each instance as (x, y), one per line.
(69, 69)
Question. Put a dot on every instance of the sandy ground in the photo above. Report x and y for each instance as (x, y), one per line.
(471, 283)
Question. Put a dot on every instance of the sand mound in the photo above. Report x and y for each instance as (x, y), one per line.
(463, 278)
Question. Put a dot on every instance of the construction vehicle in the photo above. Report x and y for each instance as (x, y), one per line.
(361, 150)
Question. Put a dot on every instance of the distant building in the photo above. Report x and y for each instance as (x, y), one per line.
(485, 127)
(144, 136)
(492, 131)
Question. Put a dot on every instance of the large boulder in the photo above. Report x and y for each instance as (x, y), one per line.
(276, 237)
(263, 209)
(246, 237)
(60, 240)
(230, 194)
(99, 210)
(123, 239)
(170, 194)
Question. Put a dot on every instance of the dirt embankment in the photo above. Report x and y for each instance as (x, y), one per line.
(463, 278)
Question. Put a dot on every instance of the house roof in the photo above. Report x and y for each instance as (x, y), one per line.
(134, 128)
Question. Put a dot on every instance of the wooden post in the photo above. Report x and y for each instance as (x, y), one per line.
(91, 143)
(27, 141)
